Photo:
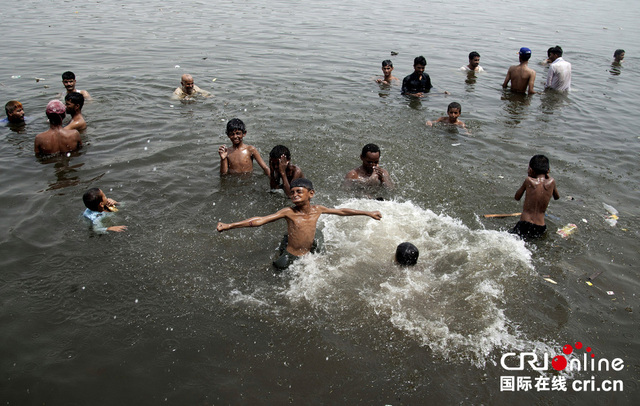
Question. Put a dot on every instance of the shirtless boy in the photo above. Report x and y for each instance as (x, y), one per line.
(618, 56)
(282, 171)
(522, 77)
(301, 222)
(74, 102)
(97, 207)
(239, 159)
(539, 187)
(387, 78)
(188, 89)
(56, 139)
(69, 82)
(453, 112)
(369, 173)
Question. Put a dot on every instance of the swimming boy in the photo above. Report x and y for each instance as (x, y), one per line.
(15, 112)
(474, 63)
(73, 103)
(369, 173)
(188, 89)
(522, 77)
(239, 159)
(69, 82)
(418, 83)
(282, 172)
(387, 78)
(453, 112)
(98, 205)
(301, 222)
(618, 56)
(56, 139)
(407, 254)
(539, 187)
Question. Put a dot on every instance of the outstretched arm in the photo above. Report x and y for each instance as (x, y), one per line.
(351, 212)
(253, 221)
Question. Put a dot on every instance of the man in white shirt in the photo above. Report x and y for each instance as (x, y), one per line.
(474, 63)
(559, 76)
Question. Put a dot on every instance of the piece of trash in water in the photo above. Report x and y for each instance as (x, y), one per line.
(455, 145)
(16, 76)
(177, 66)
(571, 198)
(612, 218)
(610, 293)
(567, 230)
(589, 283)
(550, 281)
(594, 275)
(500, 177)
(394, 53)
(214, 79)
(584, 221)
(38, 79)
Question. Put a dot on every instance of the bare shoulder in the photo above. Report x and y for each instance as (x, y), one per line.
(352, 174)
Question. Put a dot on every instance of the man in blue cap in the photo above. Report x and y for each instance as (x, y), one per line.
(522, 77)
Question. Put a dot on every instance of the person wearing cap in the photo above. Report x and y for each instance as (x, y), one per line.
(56, 139)
(521, 76)
(188, 89)
(559, 76)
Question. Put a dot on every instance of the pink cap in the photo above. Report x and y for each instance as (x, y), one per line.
(56, 107)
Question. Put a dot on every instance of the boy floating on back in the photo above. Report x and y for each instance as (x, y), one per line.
(539, 188)
(239, 159)
(301, 222)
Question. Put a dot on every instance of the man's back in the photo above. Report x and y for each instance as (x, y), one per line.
(522, 77)
(57, 140)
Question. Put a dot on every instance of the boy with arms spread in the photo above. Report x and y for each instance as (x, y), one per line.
(98, 205)
(369, 173)
(522, 77)
(56, 139)
(301, 222)
(281, 169)
(240, 158)
(539, 188)
(69, 82)
(73, 103)
(453, 112)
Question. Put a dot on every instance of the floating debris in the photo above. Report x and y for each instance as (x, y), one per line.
(612, 218)
(567, 230)
(550, 281)
(610, 293)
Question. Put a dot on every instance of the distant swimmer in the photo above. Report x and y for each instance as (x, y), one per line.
(369, 173)
(453, 112)
(539, 187)
(618, 56)
(15, 113)
(302, 219)
(56, 139)
(98, 207)
(418, 83)
(69, 82)
(73, 103)
(387, 78)
(559, 75)
(188, 89)
(474, 63)
(521, 76)
(239, 159)
(281, 171)
(407, 254)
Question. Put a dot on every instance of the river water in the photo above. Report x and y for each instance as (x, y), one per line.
(171, 312)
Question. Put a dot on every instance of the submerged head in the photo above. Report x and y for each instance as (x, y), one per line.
(94, 199)
(15, 112)
(407, 254)
(539, 165)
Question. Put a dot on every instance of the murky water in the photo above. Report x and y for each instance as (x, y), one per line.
(173, 312)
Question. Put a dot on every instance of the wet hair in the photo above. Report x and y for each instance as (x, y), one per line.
(278, 151)
(539, 164)
(420, 60)
(369, 148)
(387, 62)
(11, 106)
(549, 52)
(75, 98)
(68, 75)
(618, 52)
(56, 118)
(302, 182)
(454, 105)
(92, 199)
(525, 57)
(557, 50)
(473, 54)
(407, 254)
(235, 124)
